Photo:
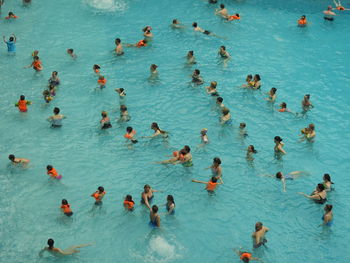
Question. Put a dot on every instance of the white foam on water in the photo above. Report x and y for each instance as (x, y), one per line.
(107, 5)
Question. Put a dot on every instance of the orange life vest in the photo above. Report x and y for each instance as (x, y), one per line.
(102, 81)
(233, 17)
(130, 135)
(141, 43)
(98, 197)
(340, 8)
(37, 65)
(129, 204)
(282, 110)
(211, 186)
(302, 21)
(66, 208)
(246, 255)
(53, 172)
(22, 105)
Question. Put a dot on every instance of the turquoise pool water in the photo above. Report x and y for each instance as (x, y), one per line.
(296, 61)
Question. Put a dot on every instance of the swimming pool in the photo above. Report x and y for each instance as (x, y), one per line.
(296, 61)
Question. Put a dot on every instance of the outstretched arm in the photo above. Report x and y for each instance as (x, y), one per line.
(201, 182)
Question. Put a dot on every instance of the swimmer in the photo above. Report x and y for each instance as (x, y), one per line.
(242, 129)
(65, 207)
(176, 24)
(245, 256)
(141, 43)
(226, 116)
(130, 134)
(17, 161)
(222, 11)
(70, 52)
(36, 64)
(215, 168)
(212, 89)
(204, 136)
(329, 14)
(52, 90)
(327, 182)
(22, 104)
(338, 6)
(259, 235)
(197, 78)
(256, 82)
(101, 82)
(190, 58)
(279, 145)
(249, 81)
(121, 92)
(175, 157)
(306, 103)
(185, 157)
(219, 102)
(99, 195)
(11, 44)
(157, 131)
(170, 205)
(147, 196)
(105, 121)
(58, 252)
(327, 216)
(154, 217)
(128, 203)
(201, 30)
(250, 151)
(118, 47)
(96, 68)
(234, 17)
(302, 21)
(271, 95)
(290, 176)
(212, 1)
(11, 15)
(56, 119)
(319, 196)
(308, 132)
(54, 80)
(283, 107)
(35, 53)
(153, 70)
(211, 185)
(223, 53)
(52, 172)
(124, 115)
(147, 32)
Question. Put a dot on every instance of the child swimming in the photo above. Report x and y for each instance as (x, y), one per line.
(128, 203)
(105, 122)
(211, 185)
(56, 119)
(59, 252)
(11, 44)
(99, 195)
(18, 161)
(130, 134)
(11, 15)
(118, 47)
(22, 104)
(70, 52)
(65, 207)
(101, 82)
(52, 172)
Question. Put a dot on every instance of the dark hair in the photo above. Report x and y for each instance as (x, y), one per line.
(225, 111)
(183, 152)
(303, 16)
(307, 96)
(220, 99)
(237, 14)
(197, 71)
(70, 50)
(327, 178)
(128, 198)
(96, 66)
(147, 186)
(49, 167)
(328, 207)
(147, 28)
(22, 97)
(250, 76)
(104, 114)
(283, 105)
(154, 209)
(170, 198)
(174, 21)
(257, 76)
(145, 41)
(117, 40)
(123, 108)
(273, 90)
(194, 24)
(258, 226)
(245, 260)
(223, 47)
(11, 157)
(11, 14)
(278, 139)
(214, 179)
(154, 66)
(320, 187)
(56, 110)
(11, 38)
(222, 6)
(36, 57)
(242, 124)
(101, 189)
(64, 202)
(279, 175)
(253, 149)
(128, 129)
(217, 160)
(187, 148)
(50, 243)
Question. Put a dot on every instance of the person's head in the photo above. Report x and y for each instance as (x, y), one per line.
(222, 48)
(101, 77)
(329, 8)
(204, 131)
(120, 90)
(11, 38)
(50, 243)
(96, 66)
(194, 24)
(70, 51)
(249, 77)
(128, 198)
(320, 187)
(170, 198)
(154, 126)
(217, 161)
(279, 175)
(251, 149)
(147, 28)
(56, 110)
(242, 125)
(36, 58)
(54, 73)
(104, 114)
(237, 14)
(12, 157)
(222, 6)
(213, 179)
(145, 41)
(64, 202)
(307, 97)
(225, 111)
(303, 17)
(22, 97)
(187, 148)
(312, 126)
(257, 77)
(245, 260)
(101, 189)
(46, 93)
(327, 178)
(278, 139)
(197, 72)
(154, 209)
(153, 67)
(128, 129)
(213, 84)
(147, 187)
(219, 100)
(11, 14)
(328, 208)
(258, 226)
(123, 108)
(283, 105)
(175, 21)
(49, 167)
(190, 53)
(118, 41)
(273, 90)
(182, 152)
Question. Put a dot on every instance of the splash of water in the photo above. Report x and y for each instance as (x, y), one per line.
(107, 5)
